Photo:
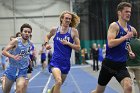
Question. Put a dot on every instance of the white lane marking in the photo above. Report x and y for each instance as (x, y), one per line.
(34, 76)
(84, 66)
(75, 83)
(46, 86)
(36, 86)
(29, 80)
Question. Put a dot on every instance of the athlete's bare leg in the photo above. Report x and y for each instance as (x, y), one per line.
(126, 84)
(6, 84)
(20, 85)
(59, 79)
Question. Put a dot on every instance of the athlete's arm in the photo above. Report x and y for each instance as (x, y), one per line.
(10, 46)
(134, 34)
(48, 36)
(112, 33)
(75, 36)
(131, 53)
(134, 31)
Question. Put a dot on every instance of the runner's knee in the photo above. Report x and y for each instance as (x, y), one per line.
(59, 81)
(128, 85)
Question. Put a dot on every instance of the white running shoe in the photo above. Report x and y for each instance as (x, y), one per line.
(49, 91)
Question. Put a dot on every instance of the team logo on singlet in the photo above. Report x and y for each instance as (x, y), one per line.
(24, 53)
(65, 38)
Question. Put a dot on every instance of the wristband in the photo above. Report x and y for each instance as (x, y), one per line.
(45, 43)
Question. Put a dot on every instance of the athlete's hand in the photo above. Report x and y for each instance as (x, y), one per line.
(48, 46)
(128, 35)
(131, 55)
(64, 42)
(17, 57)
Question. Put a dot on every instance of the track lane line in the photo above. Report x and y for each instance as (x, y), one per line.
(75, 83)
(46, 86)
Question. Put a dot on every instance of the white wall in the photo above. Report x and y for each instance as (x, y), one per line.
(40, 14)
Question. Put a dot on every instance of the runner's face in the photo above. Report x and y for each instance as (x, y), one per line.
(67, 19)
(126, 13)
(26, 33)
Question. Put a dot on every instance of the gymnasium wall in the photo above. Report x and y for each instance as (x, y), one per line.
(42, 15)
